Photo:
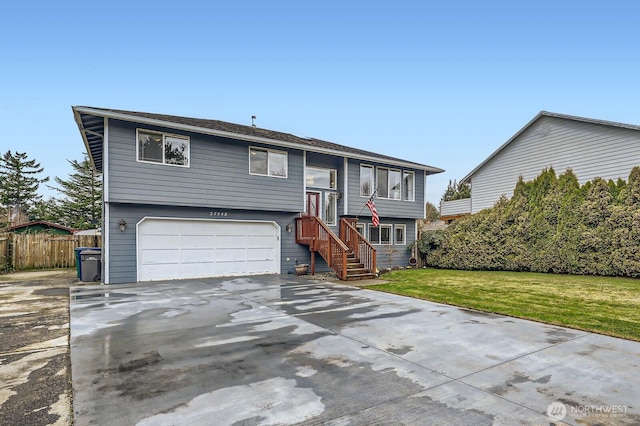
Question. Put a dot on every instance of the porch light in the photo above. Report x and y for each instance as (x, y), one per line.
(289, 228)
(122, 224)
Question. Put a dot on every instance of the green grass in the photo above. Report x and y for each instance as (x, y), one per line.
(603, 305)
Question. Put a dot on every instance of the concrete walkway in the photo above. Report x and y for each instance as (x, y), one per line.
(278, 350)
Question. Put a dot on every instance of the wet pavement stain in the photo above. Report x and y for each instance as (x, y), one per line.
(403, 350)
(559, 335)
(517, 379)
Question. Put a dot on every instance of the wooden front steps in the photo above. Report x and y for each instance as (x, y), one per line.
(350, 255)
(356, 269)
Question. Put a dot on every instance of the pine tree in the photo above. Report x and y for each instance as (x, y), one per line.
(19, 181)
(432, 212)
(81, 206)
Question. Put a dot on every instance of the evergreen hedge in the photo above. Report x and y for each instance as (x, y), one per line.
(551, 224)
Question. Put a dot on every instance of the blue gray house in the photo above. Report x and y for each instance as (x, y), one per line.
(192, 198)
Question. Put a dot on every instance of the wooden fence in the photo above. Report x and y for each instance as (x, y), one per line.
(41, 251)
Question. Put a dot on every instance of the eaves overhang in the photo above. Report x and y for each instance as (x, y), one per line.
(91, 124)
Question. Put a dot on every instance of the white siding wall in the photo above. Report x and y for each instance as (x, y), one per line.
(590, 150)
(455, 207)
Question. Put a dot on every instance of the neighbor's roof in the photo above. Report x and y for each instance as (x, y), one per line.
(90, 121)
(467, 178)
(43, 223)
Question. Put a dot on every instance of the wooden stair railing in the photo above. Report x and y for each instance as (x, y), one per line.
(351, 256)
(358, 244)
(312, 231)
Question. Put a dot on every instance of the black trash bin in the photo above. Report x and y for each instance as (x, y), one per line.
(90, 265)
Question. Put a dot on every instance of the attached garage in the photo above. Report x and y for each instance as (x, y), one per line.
(177, 248)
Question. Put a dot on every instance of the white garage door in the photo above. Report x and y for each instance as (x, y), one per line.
(188, 248)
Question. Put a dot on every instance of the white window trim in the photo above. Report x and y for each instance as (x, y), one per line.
(389, 169)
(410, 172)
(380, 226)
(404, 234)
(268, 150)
(164, 136)
(364, 228)
(324, 211)
(324, 169)
(373, 181)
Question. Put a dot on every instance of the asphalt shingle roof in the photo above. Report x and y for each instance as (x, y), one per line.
(238, 129)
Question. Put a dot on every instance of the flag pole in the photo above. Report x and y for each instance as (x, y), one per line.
(365, 204)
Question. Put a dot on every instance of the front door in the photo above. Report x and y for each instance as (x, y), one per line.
(313, 203)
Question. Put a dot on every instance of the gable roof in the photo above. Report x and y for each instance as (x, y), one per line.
(90, 121)
(43, 223)
(467, 178)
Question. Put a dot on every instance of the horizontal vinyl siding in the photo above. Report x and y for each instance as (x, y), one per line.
(385, 207)
(328, 162)
(218, 175)
(388, 256)
(449, 208)
(590, 150)
(123, 262)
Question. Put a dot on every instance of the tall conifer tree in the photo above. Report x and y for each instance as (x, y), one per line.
(81, 205)
(19, 182)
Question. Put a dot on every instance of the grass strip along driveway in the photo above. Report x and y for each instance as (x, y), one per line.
(603, 305)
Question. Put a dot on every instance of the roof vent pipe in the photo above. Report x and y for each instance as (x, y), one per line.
(253, 117)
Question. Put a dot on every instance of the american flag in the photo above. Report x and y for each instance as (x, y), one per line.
(375, 220)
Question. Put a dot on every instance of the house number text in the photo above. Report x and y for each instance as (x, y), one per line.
(217, 213)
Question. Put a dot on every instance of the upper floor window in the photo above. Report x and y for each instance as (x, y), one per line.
(163, 148)
(267, 162)
(389, 183)
(366, 180)
(321, 178)
(408, 186)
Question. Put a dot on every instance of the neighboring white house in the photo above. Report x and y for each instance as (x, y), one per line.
(591, 148)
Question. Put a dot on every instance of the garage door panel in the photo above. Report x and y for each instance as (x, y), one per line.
(231, 268)
(152, 242)
(197, 228)
(257, 229)
(260, 241)
(162, 272)
(161, 228)
(198, 241)
(161, 256)
(198, 270)
(172, 248)
(231, 255)
(259, 253)
(230, 241)
(231, 229)
(197, 256)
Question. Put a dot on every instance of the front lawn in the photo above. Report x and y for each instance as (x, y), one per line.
(600, 304)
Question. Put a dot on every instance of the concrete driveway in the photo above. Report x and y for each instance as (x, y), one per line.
(35, 373)
(283, 350)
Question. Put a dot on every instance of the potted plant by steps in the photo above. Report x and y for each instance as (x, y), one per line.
(301, 268)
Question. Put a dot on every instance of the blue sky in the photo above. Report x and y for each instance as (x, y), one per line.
(440, 83)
